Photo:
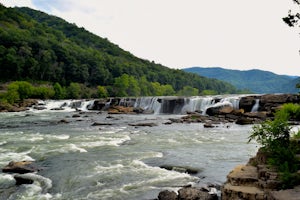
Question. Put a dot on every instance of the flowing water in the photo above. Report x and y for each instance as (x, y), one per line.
(114, 161)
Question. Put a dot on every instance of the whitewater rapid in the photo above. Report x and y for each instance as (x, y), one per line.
(117, 161)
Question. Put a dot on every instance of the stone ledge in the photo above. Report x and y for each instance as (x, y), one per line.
(291, 194)
(243, 175)
(232, 192)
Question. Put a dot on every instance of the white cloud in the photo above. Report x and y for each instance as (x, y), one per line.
(18, 3)
(235, 34)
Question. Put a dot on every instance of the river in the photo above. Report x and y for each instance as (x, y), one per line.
(114, 161)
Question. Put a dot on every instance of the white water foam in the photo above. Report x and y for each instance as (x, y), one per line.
(72, 148)
(44, 183)
(6, 181)
(106, 141)
(58, 137)
(255, 106)
(6, 157)
(152, 178)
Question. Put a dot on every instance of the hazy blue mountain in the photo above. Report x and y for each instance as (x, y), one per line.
(258, 81)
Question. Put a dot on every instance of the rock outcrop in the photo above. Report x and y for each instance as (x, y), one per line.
(17, 107)
(21, 167)
(187, 193)
(256, 181)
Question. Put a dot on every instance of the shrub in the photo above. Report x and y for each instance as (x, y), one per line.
(274, 137)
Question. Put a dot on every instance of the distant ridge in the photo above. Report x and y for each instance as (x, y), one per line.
(258, 81)
(42, 48)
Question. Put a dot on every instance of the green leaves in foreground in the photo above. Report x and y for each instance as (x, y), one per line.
(274, 137)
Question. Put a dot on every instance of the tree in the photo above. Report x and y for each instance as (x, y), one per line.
(293, 18)
(102, 92)
(167, 90)
(18, 90)
(275, 141)
(188, 91)
(73, 91)
(59, 92)
(120, 85)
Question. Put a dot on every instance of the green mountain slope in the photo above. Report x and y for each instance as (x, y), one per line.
(257, 81)
(36, 46)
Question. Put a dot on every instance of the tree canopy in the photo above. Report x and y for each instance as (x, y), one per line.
(35, 47)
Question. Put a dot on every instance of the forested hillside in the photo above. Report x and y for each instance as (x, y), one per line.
(37, 47)
(257, 81)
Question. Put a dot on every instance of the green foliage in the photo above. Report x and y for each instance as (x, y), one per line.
(59, 92)
(274, 137)
(74, 91)
(35, 46)
(209, 92)
(291, 110)
(271, 133)
(102, 92)
(188, 91)
(167, 90)
(18, 90)
(43, 92)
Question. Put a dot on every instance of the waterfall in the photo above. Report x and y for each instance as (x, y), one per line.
(233, 100)
(180, 105)
(197, 104)
(255, 106)
(149, 104)
(156, 105)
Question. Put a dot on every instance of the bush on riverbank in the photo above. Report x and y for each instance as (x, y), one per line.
(275, 138)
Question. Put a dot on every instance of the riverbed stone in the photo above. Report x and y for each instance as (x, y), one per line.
(22, 180)
(167, 195)
(192, 193)
(21, 167)
(150, 124)
(182, 169)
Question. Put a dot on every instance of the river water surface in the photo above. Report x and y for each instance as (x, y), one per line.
(115, 161)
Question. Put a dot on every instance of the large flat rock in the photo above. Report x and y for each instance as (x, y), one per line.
(243, 175)
(232, 192)
(290, 194)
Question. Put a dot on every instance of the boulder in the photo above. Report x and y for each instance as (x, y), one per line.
(244, 121)
(182, 169)
(76, 115)
(64, 121)
(290, 194)
(59, 108)
(22, 180)
(260, 115)
(138, 110)
(20, 167)
(120, 110)
(256, 180)
(208, 125)
(246, 103)
(150, 124)
(28, 103)
(101, 124)
(191, 193)
(167, 195)
(219, 110)
(226, 110)
(39, 108)
(271, 102)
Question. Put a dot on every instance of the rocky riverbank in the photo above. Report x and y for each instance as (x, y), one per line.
(266, 105)
(18, 107)
(258, 181)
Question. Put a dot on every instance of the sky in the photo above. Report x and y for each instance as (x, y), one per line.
(233, 34)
